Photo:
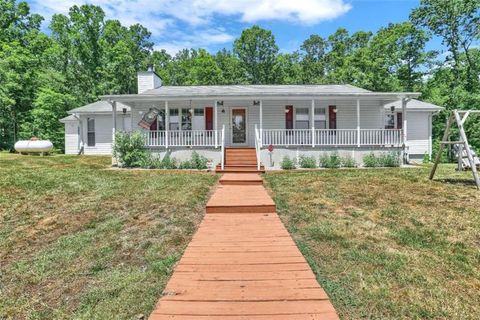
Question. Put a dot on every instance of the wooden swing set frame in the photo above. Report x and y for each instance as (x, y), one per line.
(459, 116)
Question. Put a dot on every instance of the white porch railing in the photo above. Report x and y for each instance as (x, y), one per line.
(257, 146)
(222, 161)
(385, 137)
(331, 137)
(181, 138)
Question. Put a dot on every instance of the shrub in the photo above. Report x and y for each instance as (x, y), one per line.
(370, 160)
(330, 161)
(196, 162)
(307, 162)
(348, 162)
(426, 158)
(287, 163)
(129, 149)
(168, 162)
(391, 159)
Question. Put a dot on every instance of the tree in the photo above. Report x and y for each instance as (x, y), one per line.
(400, 55)
(313, 59)
(21, 46)
(257, 50)
(288, 69)
(457, 22)
(231, 67)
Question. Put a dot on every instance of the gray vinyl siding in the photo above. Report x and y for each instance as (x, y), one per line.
(72, 139)
(418, 133)
(103, 132)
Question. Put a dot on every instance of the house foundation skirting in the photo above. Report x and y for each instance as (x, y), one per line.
(272, 160)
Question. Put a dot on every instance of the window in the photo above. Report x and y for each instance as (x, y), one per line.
(186, 119)
(320, 118)
(198, 122)
(389, 121)
(301, 118)
(174, 119)
(90, 132)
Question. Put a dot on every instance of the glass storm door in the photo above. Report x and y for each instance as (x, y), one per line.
(239, 121)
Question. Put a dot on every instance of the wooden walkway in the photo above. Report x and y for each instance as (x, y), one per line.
(242, 264)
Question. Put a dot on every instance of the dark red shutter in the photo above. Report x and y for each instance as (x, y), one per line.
(332, 117)
(208, 118)
(399, 120)
(289, 117)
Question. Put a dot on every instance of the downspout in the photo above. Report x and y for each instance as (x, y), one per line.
(81, 150)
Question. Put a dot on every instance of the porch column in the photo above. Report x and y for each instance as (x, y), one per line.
(313, 122)
(358, 123)
(114, 127)
(404, 119)
(261, 123)
(404, 129)
(215, 120)
(167, 124)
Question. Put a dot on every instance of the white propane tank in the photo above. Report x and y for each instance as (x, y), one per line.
(33, 146)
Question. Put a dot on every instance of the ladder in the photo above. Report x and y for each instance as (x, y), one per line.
(467, 159)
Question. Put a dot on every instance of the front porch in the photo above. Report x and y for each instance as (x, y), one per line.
(302, 124)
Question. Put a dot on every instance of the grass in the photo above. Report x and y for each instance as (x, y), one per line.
(81, 241)
(387, 243)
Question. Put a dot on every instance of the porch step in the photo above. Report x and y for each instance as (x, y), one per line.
(241, 179)
(240, 199)
(239, 169)
(240, 157)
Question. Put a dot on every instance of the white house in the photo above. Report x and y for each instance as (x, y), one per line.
(290, 119)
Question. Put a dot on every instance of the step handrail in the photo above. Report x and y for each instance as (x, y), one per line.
(223, 147)
(257, 146)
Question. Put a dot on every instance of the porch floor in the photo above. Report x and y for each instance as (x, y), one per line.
(242, 264)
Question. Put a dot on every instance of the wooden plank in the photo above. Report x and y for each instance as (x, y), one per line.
(323, 316)
(243, 308)
(243, 267)
(229, 293)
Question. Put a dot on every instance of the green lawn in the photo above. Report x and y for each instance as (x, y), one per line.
(81, 241)
(387, 243)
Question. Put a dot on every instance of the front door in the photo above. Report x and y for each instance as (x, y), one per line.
(239, 126)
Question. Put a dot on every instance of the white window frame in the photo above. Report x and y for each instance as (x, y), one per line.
(302, 114)
(91, 131)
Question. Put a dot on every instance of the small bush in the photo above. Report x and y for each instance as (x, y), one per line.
(129, 149)
(287, 163)
(168, 162)
(426, 158)
(348, 162)
(307, 162)
(370, 160)
(196, 162)
(330, 161)
(391, 159)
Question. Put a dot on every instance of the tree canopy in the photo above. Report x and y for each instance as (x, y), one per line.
(85, 55)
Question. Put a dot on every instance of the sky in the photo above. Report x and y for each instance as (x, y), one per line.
(215, 24)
